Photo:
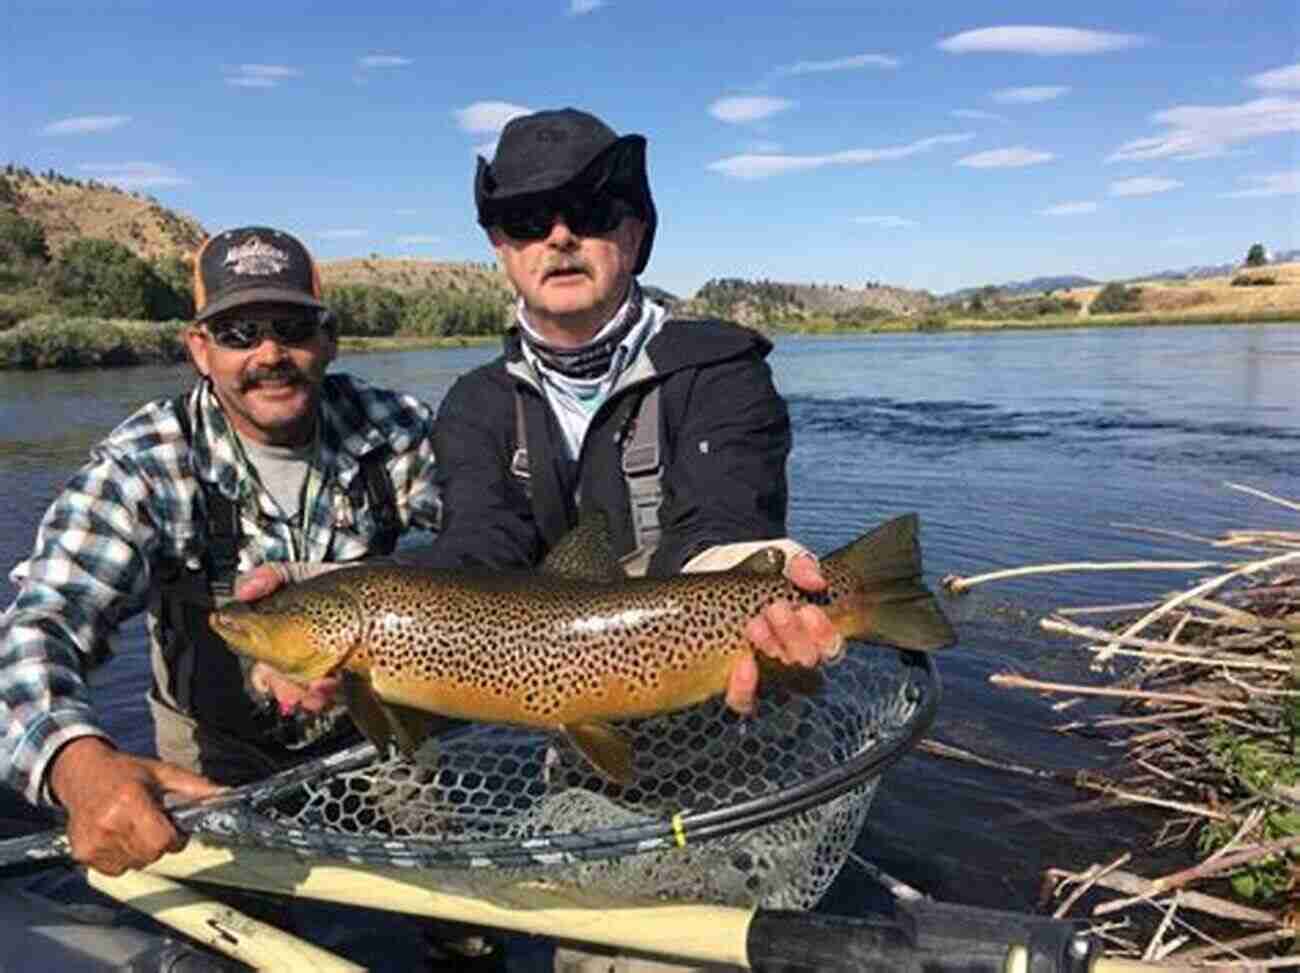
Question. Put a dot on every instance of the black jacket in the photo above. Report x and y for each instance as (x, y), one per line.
(724, 440)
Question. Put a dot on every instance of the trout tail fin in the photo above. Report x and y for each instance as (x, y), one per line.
(877, 594)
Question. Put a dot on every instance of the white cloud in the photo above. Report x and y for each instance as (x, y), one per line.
(1078, 208)
(488, 116)
(1043, 41)
(418, 239)
(840, 64)
(1285, 183)
(1029, 95)
(85, 124)
(886, 222)
(134, 175)
(977, 114)
(1279, 79)
(487, 150)
(1142, 186)
(748, 108)
(260, 75)
(578, 8)
(1005, 158)
(349, 233)
(1205, 131)
(757, 166)
(384, 61)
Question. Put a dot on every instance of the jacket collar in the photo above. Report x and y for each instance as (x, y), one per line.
(668, 351)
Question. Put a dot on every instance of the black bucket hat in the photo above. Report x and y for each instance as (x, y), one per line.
(253, 265)
(546, 152)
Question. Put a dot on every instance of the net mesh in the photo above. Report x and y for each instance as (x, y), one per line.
(710, 815)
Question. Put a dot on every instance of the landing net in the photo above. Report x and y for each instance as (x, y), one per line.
(758, 811)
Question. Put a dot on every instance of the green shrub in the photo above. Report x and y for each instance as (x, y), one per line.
(56, 341)
(178, 274)
(1254, 280)
(18, 307)
(365, 309)
(105, 279)
(438, 313)
(1116, 299)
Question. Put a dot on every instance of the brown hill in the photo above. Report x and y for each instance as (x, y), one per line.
(69, 209)
(407, 275)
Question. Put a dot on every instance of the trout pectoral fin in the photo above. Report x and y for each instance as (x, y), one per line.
(794, 679)
(384, 723)
(604, 747)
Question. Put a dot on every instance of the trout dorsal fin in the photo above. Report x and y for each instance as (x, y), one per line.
(766, 561)
(585, 553)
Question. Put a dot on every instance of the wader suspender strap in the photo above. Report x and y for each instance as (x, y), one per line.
(643, 473)
(642, 469)
(222, 559)
(383, 501)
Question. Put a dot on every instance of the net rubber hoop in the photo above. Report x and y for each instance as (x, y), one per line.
(236, 821)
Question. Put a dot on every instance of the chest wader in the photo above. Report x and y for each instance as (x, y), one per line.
(642, 473)
(198, 676)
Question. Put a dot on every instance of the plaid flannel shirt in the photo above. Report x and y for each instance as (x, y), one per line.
(135, 504)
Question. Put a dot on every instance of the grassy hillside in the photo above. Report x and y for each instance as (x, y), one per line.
(70, 209)
(408, 276)
(1216, 297)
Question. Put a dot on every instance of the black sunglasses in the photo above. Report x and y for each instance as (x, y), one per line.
(244, 333)
(583, 215)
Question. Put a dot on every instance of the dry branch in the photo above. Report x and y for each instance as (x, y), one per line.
(957, 584)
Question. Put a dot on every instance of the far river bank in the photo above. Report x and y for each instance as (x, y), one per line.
(63, 343)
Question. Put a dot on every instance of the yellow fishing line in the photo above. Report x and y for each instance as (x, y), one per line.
(679, 830)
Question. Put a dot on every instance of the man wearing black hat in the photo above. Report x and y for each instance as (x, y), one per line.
(267, 459)
(672, 428)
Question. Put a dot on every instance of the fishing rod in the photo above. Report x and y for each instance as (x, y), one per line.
(923, 936)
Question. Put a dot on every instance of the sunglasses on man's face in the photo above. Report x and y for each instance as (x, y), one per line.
(583, 215)
(242, 334)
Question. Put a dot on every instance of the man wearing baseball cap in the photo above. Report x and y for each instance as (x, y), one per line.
(672, 428)
(266, 459)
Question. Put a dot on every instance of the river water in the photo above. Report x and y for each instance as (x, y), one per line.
(1015, 448)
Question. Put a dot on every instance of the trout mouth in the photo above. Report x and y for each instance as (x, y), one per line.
(247, 639)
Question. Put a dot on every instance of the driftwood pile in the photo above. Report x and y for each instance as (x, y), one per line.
(1206, 692)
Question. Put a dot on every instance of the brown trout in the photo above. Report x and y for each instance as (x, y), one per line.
(572, 645)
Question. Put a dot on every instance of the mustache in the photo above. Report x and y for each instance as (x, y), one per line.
(564, 263)
(285, 371)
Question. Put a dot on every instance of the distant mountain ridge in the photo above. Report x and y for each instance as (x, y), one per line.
(1069, 281)
(1034, 285)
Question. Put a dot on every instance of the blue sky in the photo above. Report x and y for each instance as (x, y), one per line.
(929, 145)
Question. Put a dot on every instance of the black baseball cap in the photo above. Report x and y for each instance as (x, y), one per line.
(253, 265)
(565, 150)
